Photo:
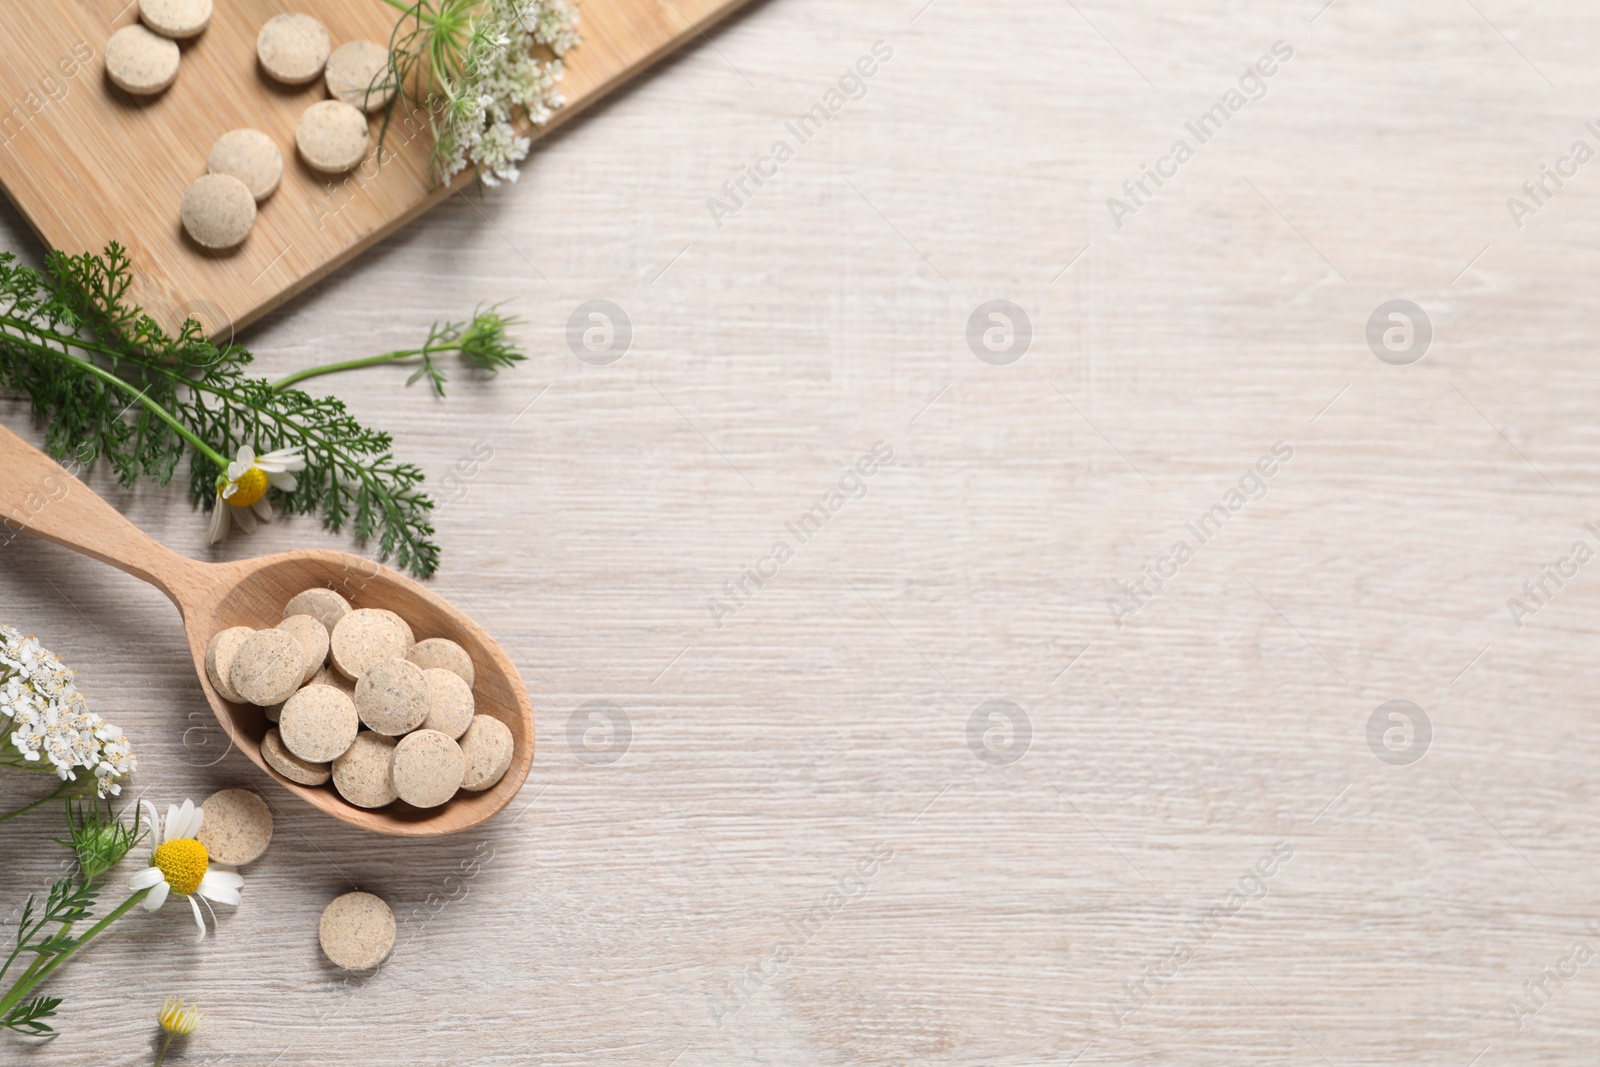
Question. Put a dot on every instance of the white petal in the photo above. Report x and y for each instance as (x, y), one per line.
(282, 459)
(145, 878)
(221, 522)
(189, 818)
(221, 886)
(170, 825)
(245, 518)
(236, 471)
(158, 895)
(262, 509)
(199, 920)
(247, 456)
(147, 810)
(284, 481)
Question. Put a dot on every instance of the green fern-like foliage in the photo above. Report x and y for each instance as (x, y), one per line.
(111, 385)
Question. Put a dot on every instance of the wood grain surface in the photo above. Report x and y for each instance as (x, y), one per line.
(799, 855)
(89, 164)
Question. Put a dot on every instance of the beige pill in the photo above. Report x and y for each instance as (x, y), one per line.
(362, 774)
(178, 19)
(392, 697)
(358, 74)
(488, 747)
(273, 713)
(218, 211)
(313, 638)
(365, 637)
(220, 651)
(450, 706)
(445, 654)
(332, 136)
(324, 605)
(141, 62)
(318, 723)
(356, 931)
(268, 667)
(250, 156)
(236, 828)
(289, 765)
(401, 625)
(427, 768)
(293, 48)
(328, 676)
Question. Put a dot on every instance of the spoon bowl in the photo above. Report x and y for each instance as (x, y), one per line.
(36, 494)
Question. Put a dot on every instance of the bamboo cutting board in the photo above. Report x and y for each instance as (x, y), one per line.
(88, 164)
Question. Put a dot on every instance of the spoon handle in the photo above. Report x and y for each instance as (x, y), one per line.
(38, 495)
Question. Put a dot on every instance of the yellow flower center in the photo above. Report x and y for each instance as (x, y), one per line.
(178, 1019)
(250, 487)
(183, 862)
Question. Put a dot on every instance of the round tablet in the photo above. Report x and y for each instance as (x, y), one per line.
(293, 48)
(427, 768)
(356, 931)
(273, 713)
(220, 651)
(332, 136)
(488, 747)
(178, 19)
(141, 62)
(289, 765)
(313, 637)
(236, 828)
(324, 605)
(250, 156)
(450, 705)
(318, 724)
(401, 625)
(392, 697)
(362, 638)
(361, 775)
(443, 653)
(218, 211)
(328, 676)
(358, 74)
(268, 667)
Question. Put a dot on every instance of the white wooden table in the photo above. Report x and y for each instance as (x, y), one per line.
(665, 899)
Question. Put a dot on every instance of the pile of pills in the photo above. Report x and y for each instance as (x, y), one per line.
(360, 702)
(245, 167)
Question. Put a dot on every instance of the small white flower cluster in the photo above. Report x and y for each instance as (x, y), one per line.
(50, 725)
(502, 77)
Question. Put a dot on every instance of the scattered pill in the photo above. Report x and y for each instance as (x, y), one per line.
(291, 766)
(356, 931)
(293, 48)
(392, 697)
(332, 136)
(268, 667)
(313, 638)
(427, 768)
(401, 625)
(450, 705)
(236, 828)
(324, 605)
(358, 74)
(178, 19)
(220, 651)
(250, 156)
(443, 653)
(273, 712)
(362, 638)
(488, 746)
(218, 211)
(141, 62)
(362, 774)
(318, 723)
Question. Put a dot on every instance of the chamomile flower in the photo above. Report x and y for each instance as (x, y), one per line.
(243, 489)
(180, 864)
(178, 1018)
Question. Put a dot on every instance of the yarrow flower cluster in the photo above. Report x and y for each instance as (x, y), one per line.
(487, 63)
(46, 724)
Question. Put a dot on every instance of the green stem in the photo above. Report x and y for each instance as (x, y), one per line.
(161, 1054)
(354, 364)
(26, 984)
(60, 789)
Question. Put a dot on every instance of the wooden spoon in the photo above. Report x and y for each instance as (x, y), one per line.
(37, 495)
